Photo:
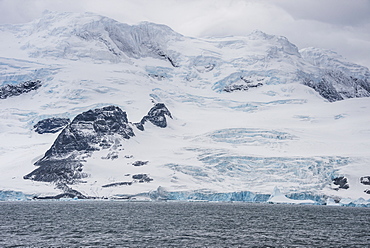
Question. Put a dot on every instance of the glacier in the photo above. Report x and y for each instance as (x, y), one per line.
(9, 195)
(242, 115)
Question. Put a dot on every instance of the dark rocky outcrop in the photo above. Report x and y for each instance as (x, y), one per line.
(365, 180)
(51, 125)
(242, 85)
(156, 115)
(342, 182)
(57, 197)
(68, 193)
(325, 90)
(10, 90)
(141, 178)
(116, 184)
(93, 130)
(140, 163)
(57, 171)
(156, 76)
(138, 178)
(334, 85)
(111, 155)
(165, 56)
(88, 132)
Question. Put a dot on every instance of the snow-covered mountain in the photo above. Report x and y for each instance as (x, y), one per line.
(94, 107)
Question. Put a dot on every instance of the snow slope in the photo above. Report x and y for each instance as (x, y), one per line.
(249, 113)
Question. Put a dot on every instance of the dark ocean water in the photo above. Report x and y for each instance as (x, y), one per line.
(170, 224)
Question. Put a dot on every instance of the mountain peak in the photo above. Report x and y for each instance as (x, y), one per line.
(87, 35)
(280, 42)
(258, 34)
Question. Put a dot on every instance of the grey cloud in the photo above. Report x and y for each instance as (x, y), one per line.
(337, 12)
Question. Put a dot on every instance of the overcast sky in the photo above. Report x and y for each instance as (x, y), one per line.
(339, 25)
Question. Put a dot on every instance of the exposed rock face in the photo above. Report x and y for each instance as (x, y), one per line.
(156, 115)
(116, 184)
(242, 85)
(341, 182)
(140, 163)
(10, 90)
(338, 79)
(60, 196)
(325, 90)
(141, 178)
(90, 131)
(111, 155)
(51, 125)
(137, 178)
(365, 180)
(68, 193)
(335, 86)
(58, 171)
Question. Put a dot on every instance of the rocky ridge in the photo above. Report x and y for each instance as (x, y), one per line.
(90, 131)
(10, 90)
